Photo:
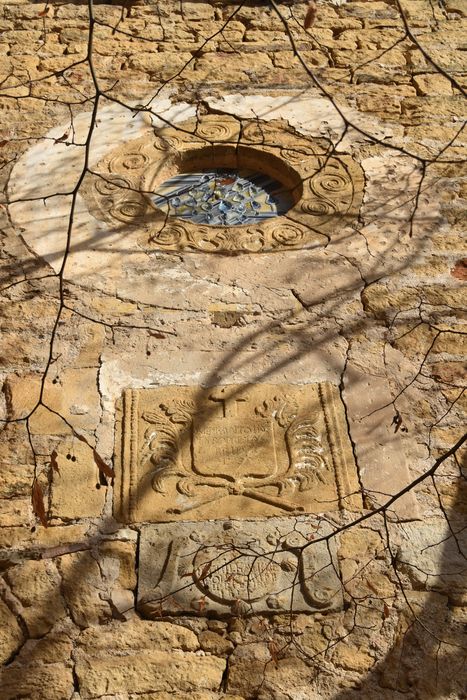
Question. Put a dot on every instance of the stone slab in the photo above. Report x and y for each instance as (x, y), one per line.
(240, 568)
(379, 449)
(239, 451)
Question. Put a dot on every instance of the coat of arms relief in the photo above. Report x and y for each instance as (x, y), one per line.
(255, 463)
(233, 451)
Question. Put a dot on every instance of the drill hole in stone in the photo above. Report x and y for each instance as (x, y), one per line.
(228, 186)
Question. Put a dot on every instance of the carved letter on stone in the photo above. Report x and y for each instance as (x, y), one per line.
(238, 451)
(239, 568)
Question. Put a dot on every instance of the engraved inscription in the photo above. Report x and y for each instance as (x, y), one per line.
(233, 451)
(238, 568)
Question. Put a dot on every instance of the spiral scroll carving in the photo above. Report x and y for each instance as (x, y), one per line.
(327, 189)
(217, 131)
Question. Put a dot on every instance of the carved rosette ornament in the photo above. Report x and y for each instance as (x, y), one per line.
(233, 451)
(326, 188)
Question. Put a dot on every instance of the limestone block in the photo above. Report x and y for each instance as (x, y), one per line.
(136, 635)
(36, 584)
(420, 110)
(233, 450)
(56, 646)
(237, 567)
(254, 674)
(50, 541)
(414, 662)
(34, 680)
(247, 667)
(228, 67)
(352, 658)
(14, 512)
(380, 451)
(456, 7)
(149, 671)
(143, 657)
(123, 554)
(377, 104)
(432, 84)
(83, 589)
(375, 299)
(16, 480)
(11, 635)
(73, 394)
(197, 11)
(214, 643)
(75, 491)
(162, 64)
(432, 559)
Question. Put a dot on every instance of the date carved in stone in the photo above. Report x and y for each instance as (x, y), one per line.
(188, 453)
(326, 188)
(238, 568)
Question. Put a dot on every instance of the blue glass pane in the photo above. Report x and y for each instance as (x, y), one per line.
(223, 197)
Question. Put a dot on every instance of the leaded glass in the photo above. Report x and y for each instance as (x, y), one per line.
(223, 197)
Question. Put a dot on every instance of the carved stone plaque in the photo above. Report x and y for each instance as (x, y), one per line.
(278, 565)
(239, 451)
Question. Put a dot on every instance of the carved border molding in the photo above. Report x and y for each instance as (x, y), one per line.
(327, 188)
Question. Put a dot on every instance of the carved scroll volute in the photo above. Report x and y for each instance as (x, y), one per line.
(327, 189)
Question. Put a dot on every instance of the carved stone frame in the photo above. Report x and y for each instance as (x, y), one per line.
(326, 188)
(155, 436)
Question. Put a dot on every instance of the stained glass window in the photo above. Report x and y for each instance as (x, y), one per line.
(223, 197)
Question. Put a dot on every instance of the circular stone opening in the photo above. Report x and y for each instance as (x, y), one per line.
(228, 186)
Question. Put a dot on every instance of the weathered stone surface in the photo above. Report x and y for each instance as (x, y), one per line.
(247, 667)
(237, 567)
(36, 584)
(214, 643)
(84, 589)
(379, 449)
(55, 647)
(50, 541)
(425, 618)
(435, 563)
(11, 635)
(352, 658)
(14, 512)
(33, 681)
(16, 480)
(74, 395)
(143, 655)
(76, 466)
(226, 451)
(120, 555)
(137, 634)
(303, 315)
(253, 673)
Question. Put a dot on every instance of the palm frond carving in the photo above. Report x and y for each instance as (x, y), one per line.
(163, 440)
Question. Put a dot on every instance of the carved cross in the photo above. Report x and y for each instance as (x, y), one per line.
(228, 400)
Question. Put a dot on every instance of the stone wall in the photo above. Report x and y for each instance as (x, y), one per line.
(357, 298)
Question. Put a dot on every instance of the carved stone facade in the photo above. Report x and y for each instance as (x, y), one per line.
(326, 188)
(104, 297)
(233, 451)
(238, 568)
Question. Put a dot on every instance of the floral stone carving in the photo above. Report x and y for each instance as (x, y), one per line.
(191, 453)
(325, 189)
(238, 568)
